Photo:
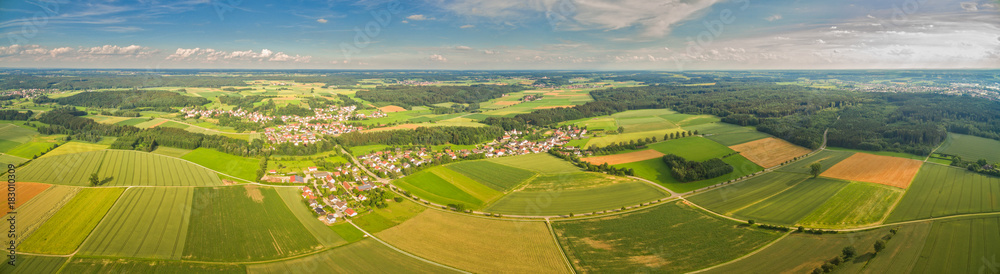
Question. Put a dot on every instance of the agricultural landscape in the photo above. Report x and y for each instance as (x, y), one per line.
(528, 172)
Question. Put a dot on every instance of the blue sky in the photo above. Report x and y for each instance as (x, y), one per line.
(490, 34)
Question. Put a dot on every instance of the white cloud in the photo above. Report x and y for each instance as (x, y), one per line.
(773, 18)
(463, 48)
(120, 29)
(969, 6)
(16, 53)
(467, 26)
(417, 17)
(438, 58)
(212, 55)
(322, 21)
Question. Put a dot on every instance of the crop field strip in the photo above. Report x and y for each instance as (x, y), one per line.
(35, 212)
(366, 256)
(657, 171)
(637, 241)
(69, 227)
(728, 199)
(942, 191)
(793, 204)
(122, 167)
(104, 265)
(28, 264)
(322, 233)
(70, 169)
(74, 147)
(577, 201)
(431, 187)
(855, 205)
(770, 152)
(886, 170)
(542, 163)
(826, 158)
(499, 177)
(478, 244)
(230, 217)
(393, 215)
(24, 192)
(479, 191)
(971, 148)
(961, 246)
(146, 223)
(239, 167)
(624, 158)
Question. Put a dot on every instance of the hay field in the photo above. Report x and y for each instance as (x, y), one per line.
(624, 157)
(769, 152)
(864, 167)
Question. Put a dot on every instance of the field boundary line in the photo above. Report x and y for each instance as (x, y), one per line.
(772, 196)
(744, 256)
(565, 257)
(406, 253)
(103, 217)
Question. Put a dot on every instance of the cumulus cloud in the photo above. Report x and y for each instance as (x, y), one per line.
(463, 48)
(467, 26)
(773, 18)
(438, 58)
(211, 55)
(970, 6)
(41, 53)
(321, 21)
(417, 17)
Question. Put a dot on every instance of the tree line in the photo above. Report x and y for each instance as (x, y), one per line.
(127, 99)
(422, 136)
(409, 96)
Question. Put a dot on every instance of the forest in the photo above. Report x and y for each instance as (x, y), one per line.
(422, 136)
(127, 99)
(410, 96)
(689, 171)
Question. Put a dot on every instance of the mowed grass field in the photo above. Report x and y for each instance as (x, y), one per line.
(445, 186)
(243, 223)
(657, 171)
(577, 193)
(32, 148)
(671, 237)
(942, 190)
(146, 223)
(239, 167)
(971, 148)
(478, 244)
(292, 197)
(728, 199)
(65, 231)
(101, 265)
(538, 162)
(496, 176)
(367, 256)
(119, 168)
(855, 205)
(826, 159)
(886, 170)
(385, 218)
(793, 204)
(28, 264)
(770, 152)
(12, 135)
(74, 147)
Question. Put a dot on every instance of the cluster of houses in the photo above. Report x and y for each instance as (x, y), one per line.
(255, 117)
(26, 93)
(513, 143)
(328, 207)
(306, 133)
(417, 83)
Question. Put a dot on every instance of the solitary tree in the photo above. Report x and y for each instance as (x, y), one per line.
(751, 222)
(849, 252)
(621, 129)
(879, 246)
(814, 169)
(94, 179)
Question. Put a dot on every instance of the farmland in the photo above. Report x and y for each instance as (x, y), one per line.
(665, 238)
(864, 167)
(826, 159)
(556, 201)
(96, 265)
(791, 205)
(855, 205)
(230, 218)
(444, 186)
(118, 168)
(12, 135)
(942, 190)
(657, 171)
(539, 162)
(35, 212)
(385, 218)
(496, 176)
(728, 199)
(769, 152)
(478, 244)
(964, 245)
(623, 158)
(239, 167)
(31, 149)
(293, 199)
(74, 147)
(692, 148)
(172, 152)
(971, 148)
(146, 223)
(24, 192)
(66, 230)
(367, 256)
(28, 264)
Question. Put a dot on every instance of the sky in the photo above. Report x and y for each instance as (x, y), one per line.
(501, 34)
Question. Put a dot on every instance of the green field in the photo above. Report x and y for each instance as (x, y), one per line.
(444, 186)
(31, 149)
(719, 128)
(537, 162)
(629, 136)
(293, 199)
(239, 167)
(12, 135)
(669, 237)
(971, 148)
(347, 232)
(40, 208)
(28, 264)
(493, 175)
(10, 159)
(942, 190)
(118, 168)
(66, 230)
(731, 139)
(791, 205)
(146, 223)
(367, 256)
(855, 205)
(100, 265)
(170, 151)
(385, 218)
(581, 200)
(826, 158)
(657, 171)
(967, 245)
(244, 223)
(728, 199)
(74, 147)
(692, 148)
(132, 122)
